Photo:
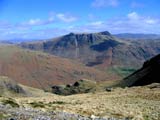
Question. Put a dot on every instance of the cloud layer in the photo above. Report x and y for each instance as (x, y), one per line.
(131, 23)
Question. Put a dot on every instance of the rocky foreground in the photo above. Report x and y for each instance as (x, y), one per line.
(136, 103)
(9, 113)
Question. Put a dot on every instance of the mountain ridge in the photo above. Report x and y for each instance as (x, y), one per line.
(100, 50)
(137, 36)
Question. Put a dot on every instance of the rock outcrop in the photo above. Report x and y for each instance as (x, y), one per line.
(10, 87)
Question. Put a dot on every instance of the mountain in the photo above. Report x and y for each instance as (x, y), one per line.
(100, 50)
(148, 74)
(137, 36)
(41, 70)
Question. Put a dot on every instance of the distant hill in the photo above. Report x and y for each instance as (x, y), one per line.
(5, 42)
(17, 40)
(148, 74)
(41, 70)
(100, 50)
(137, 36)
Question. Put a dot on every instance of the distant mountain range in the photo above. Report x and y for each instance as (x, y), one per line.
(126, 36)
(100, 50)
(137, 36)
(18, 40)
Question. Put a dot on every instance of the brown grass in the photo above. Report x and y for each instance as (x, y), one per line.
(42, 70)
(140, 103)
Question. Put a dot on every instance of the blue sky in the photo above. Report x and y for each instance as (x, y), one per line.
(39, 19)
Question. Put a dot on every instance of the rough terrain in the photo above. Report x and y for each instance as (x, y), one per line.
(137, 103)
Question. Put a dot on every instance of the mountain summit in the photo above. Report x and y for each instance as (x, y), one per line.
(101, 50)
(85, 47)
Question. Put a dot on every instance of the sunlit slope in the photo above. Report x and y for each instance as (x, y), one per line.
(37, 69)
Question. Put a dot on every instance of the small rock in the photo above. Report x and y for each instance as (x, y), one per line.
(93, 116)
(109, 89)
(12, 119)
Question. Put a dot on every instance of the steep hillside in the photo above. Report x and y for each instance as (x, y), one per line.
(149, 73)
(41, 70)
(100, 50)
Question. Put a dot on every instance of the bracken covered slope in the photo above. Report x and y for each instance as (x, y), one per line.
(37, 69)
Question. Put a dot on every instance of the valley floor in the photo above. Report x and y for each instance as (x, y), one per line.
(137, 103)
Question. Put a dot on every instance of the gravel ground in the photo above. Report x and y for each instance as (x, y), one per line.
(9, 113)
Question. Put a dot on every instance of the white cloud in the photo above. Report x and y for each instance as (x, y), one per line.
(97, 23)
(31, 28)
(66, 17)
(131, 23)
(34, 22)
(151, 21)
(104, 3)
(133, 16)
(138, 19)
(37, 21)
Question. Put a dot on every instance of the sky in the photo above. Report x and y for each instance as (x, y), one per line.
(43, 19)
